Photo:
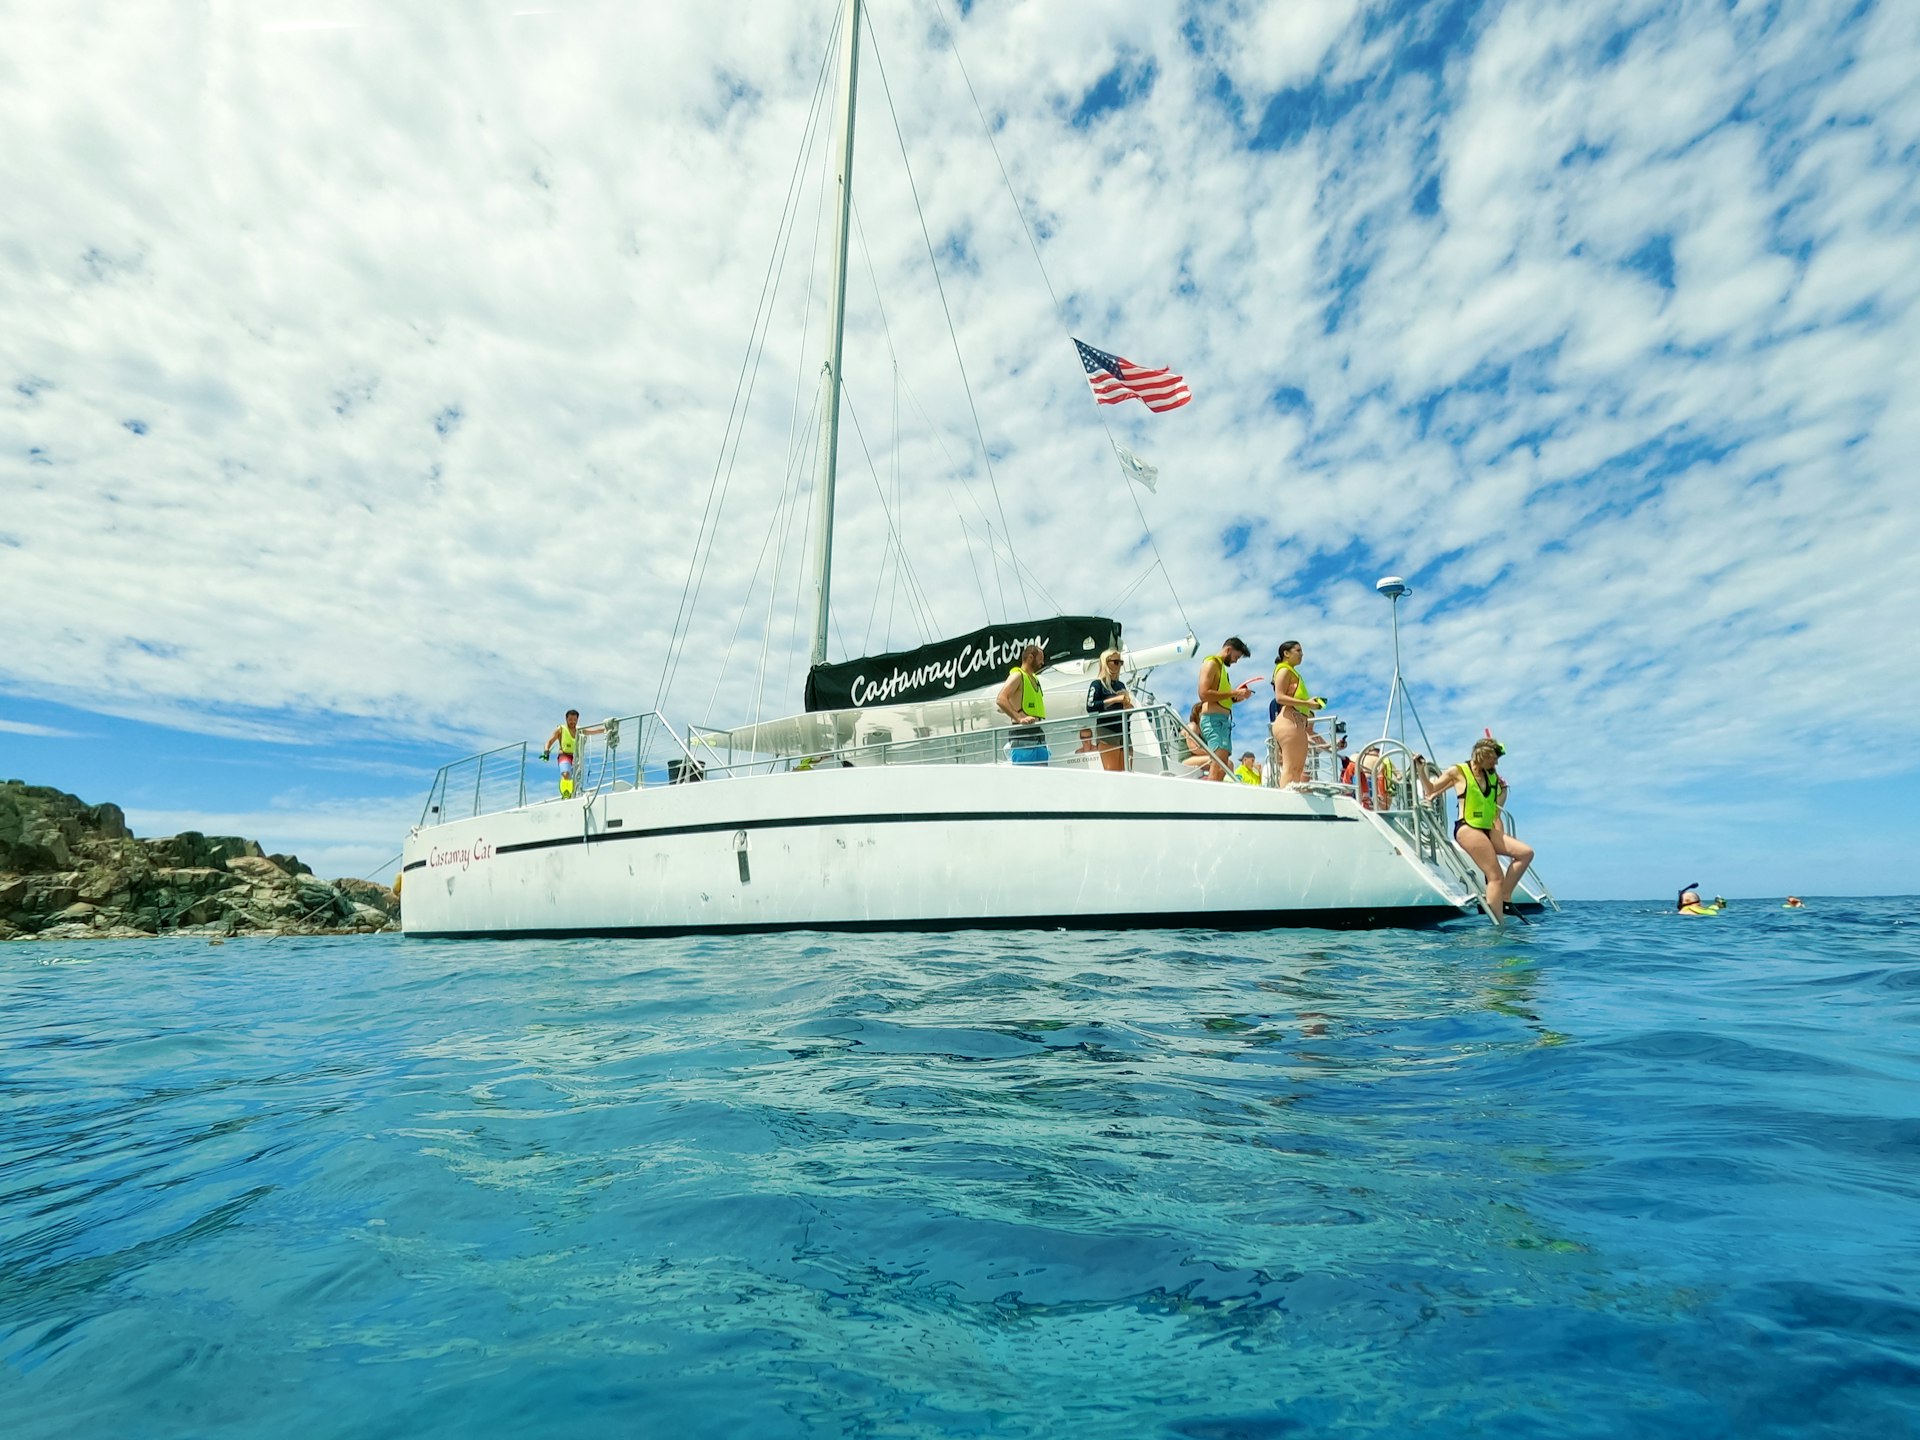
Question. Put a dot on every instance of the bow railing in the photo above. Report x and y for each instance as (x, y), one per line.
(621, 753)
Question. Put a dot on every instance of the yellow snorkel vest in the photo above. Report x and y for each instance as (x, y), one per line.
(1032, 701)
(1300, 690)
(1226, 682)
(1480, 808)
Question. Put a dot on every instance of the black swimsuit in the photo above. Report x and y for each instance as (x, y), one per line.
(1110, 724)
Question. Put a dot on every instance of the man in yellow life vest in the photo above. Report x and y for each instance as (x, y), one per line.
(567, 737)
(1022, 701)
(1247, 772)
(1218, 695)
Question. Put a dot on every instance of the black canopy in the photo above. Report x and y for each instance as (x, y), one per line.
(951, 667)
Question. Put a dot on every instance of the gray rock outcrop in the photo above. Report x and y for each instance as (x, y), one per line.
(70, 870)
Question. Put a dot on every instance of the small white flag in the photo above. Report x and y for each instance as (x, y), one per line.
(1137, 469)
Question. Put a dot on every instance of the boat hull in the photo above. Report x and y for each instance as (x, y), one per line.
(917, 848)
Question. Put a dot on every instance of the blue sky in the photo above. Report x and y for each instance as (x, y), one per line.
(362, 379)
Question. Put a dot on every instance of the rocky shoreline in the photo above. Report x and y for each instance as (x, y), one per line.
(70, 870)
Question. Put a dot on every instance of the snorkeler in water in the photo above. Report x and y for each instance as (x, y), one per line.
(1689, 902)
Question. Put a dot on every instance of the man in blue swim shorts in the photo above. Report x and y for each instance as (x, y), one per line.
(1218, 695)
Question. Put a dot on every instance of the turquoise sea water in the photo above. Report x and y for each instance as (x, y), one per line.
(1620, 1173)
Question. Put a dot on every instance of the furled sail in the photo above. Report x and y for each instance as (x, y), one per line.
(945, 668)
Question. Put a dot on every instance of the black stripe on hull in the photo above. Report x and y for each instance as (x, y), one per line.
(895, 817)
(1350, 918)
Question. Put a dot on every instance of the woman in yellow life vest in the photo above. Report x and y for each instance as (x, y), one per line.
(1478, 831)
(1292, 709)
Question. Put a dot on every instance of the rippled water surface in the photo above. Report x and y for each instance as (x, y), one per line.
(1619, 1173)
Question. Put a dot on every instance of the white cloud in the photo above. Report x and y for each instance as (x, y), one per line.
(22, 727)
(1265, 48)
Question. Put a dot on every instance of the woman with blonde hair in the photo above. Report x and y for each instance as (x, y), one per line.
(1107, 700)
(1479, 830)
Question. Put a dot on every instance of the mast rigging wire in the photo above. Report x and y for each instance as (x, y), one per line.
(953, 43)
(986, 454)
(749, 369)
(795, 482)
(789, 497)
(1032, 575)
(791, 486)
(780, 513)
(899, 380)
(913, 581)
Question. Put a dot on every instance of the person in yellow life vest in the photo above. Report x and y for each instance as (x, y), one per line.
(1688, 902)
(1292, 710)
(1218, 695)
(1247, 772)
(567, 738)
(1023, 702)
(1479, 831)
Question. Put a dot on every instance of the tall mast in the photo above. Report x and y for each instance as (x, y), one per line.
(830, 401)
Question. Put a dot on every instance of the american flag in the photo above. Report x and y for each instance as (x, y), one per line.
(1115, 379)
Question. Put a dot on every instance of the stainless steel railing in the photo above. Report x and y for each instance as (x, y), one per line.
(1149, 739)
(643, 750)
(1323, 765)
(621, 753)
(1387, 782)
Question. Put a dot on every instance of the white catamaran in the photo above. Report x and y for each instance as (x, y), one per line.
(895, 800)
